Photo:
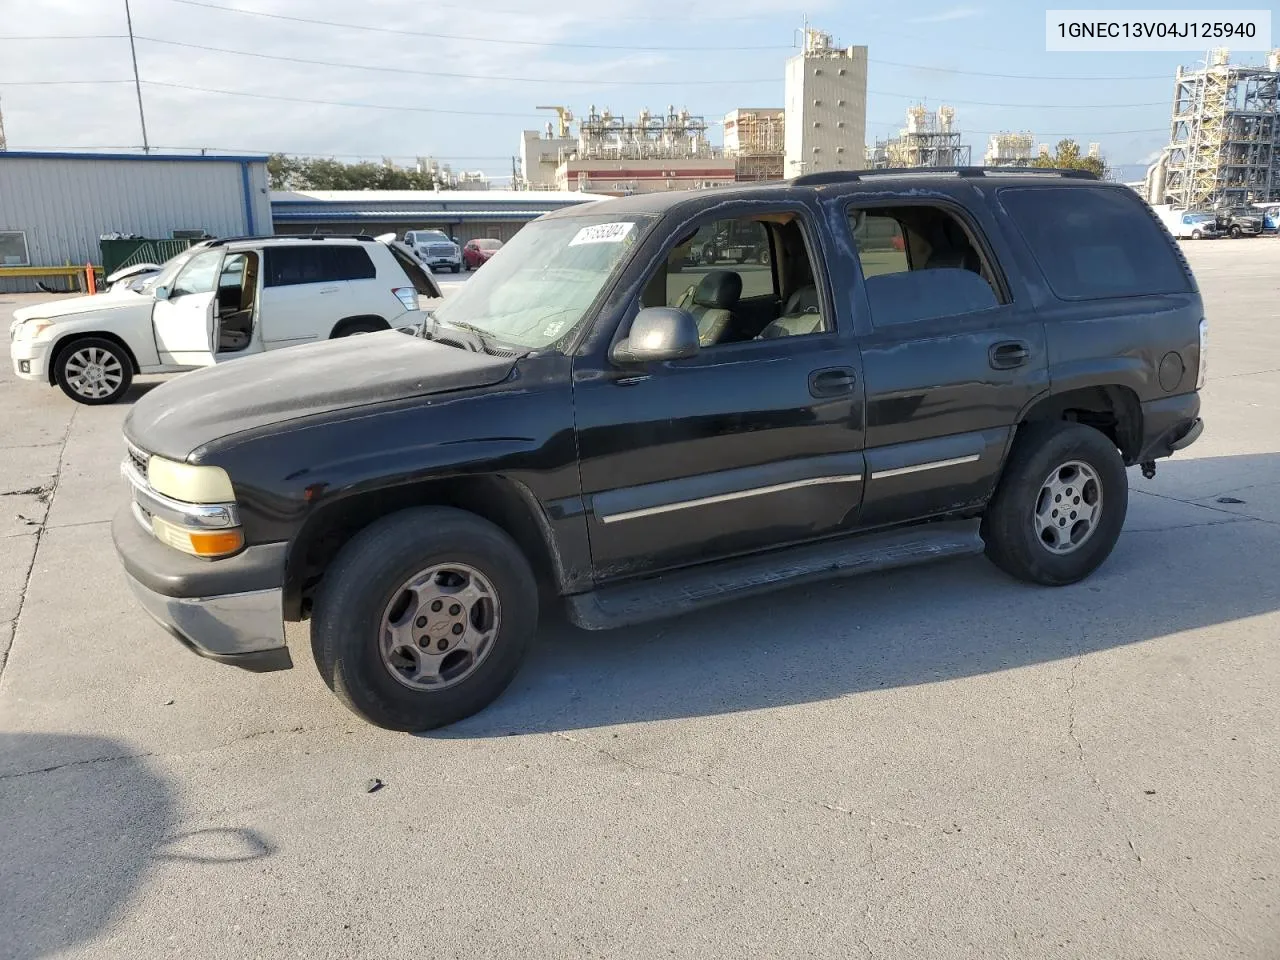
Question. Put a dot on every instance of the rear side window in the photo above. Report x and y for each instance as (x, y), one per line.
(1094, 244)
(317, 263)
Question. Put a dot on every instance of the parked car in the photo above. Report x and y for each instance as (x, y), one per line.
(1201, 226)
(1239, 222)
(219, 300)
(561, 433)
(477, 252)
(435, 249)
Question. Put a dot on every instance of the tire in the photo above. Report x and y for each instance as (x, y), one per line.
(357, 327)
(1196, 235)
(763, 257)
(455, 269)
(1236, 233)
(367, 578)
(1042, 455)
(93, 355)
(709, 254)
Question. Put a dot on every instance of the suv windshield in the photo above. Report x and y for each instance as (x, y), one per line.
(170, 270)
(537, 293)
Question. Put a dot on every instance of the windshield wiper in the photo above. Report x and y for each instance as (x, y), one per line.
(473, 338)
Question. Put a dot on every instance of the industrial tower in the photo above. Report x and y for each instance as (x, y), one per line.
(1224, 147)
(826, 107)
(928, 140)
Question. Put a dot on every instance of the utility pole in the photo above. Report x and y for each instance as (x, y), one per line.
(137, 83)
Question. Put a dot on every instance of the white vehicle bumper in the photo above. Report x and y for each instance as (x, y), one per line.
(30, 359)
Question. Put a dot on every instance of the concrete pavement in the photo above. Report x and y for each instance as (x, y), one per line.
(934, 763)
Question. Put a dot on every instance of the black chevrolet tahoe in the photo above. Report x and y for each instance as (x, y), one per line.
(926, 364)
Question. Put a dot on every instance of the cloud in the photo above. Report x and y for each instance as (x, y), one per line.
(947, 16)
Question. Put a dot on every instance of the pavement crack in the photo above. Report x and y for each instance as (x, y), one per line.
(50, 490)
(1205, 506)
(76, 763)
(735, 787)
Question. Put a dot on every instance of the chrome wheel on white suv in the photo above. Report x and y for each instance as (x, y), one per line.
(93, 371)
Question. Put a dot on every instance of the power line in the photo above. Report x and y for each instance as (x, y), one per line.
(337, 103)
(452, 36)
(1013, 76)
(55, 83)
(71, 36)
(455, 76)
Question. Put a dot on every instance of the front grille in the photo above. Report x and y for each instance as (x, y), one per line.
(439, 250)
(138, 459)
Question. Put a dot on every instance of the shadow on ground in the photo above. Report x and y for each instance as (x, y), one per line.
(75, 840)
(924, 625)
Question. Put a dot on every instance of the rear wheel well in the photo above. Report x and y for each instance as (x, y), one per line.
(346, 323)
(1114, 410)
(503, 502)
(58, 348)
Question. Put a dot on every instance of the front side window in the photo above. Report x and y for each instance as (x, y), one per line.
(742, 278)
(199, 275)
(537, 293)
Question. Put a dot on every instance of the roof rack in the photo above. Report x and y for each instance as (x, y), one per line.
(223, 241)
(847, 176)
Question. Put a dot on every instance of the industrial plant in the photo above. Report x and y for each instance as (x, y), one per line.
(930, 139)
(1224, 144)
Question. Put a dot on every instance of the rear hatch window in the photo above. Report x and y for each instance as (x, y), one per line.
(421, 280)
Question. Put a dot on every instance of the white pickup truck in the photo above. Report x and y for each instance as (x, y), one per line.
(220, 300)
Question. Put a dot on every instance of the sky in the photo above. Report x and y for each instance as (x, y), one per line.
(459, 79)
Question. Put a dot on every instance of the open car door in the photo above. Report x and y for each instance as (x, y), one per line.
(185, 314)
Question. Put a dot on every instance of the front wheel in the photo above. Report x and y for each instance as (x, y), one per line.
(1057, 513)
(456, 268)
(93, 371)
(1196, 235)
(423, 618)
(1236, 233)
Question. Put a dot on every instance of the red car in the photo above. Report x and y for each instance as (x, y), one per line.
(476, 252)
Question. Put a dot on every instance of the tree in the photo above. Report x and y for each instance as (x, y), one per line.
(322, 173)
(1067, 156)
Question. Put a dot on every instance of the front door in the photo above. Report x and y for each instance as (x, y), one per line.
(184, 322)
(754, 442)
(952, 359)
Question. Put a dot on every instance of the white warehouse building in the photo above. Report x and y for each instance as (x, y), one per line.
(54, 207)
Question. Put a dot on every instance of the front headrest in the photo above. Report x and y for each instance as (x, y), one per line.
(719, 288)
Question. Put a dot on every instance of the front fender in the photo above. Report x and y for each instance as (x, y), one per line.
(130, 325)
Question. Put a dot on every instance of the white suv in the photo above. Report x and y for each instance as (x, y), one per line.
(217, 301)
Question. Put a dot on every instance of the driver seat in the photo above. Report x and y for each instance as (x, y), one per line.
(714, 298)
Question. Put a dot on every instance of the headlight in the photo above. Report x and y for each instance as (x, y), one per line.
(189, 483)
(30, 329)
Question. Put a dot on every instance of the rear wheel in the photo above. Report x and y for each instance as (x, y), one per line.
(423, 618)
(93, 370)
(352, 328)
(1061, 502)
(1196, 235)
(1236, 233)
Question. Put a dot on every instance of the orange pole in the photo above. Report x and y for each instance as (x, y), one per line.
(91, 281)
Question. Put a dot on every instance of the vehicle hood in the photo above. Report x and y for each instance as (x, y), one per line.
(198, 408)
(72, 306)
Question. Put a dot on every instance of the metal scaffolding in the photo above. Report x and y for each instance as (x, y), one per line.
(928, 140)
(1224, 145)
(755, 139)
(1009, 150)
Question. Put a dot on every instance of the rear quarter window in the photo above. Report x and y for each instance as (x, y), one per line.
(1095, 244)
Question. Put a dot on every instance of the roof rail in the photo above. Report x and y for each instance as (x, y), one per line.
(223, 241)
(848, 176)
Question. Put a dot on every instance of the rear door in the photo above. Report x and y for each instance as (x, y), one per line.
(185, 322)
(302, 299)
(953, 354)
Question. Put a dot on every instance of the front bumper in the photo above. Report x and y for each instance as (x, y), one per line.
(228, 610)
(30, 359)
(1168, 425)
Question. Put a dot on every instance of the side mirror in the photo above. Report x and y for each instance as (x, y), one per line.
(162, 293)
(658, 333)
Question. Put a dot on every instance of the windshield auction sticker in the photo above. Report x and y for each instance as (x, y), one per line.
(601, 233)
(1125, 31)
